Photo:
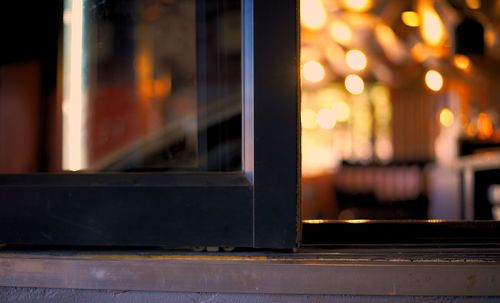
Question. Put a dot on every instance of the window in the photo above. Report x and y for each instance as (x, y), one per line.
(204, 188)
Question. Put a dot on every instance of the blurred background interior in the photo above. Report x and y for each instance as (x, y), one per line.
(400, 109)
(400, 98)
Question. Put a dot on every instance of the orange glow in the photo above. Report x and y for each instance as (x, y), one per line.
(484, 126)
(410, 18)
(357, 6)
(341, 111)
(316, 221)
(432, 28)
(162, 86)
(356, 221)
(462, 62)
(434, 80)
(446, 117)
(340, 32)
(312, 14)
(326, 118)
(419, 52)
(354, 84)
(385, 34)
(473, 4)
(490, 36)
(355, 59)
(313, 71)
(308, 118)
(144, 70)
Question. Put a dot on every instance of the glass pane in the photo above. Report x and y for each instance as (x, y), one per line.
(400, 109)
(146, 85)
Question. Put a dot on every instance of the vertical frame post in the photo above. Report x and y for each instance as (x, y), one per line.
(271, 109)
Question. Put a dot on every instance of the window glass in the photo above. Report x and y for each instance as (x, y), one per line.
(400, 109)
(145, 85)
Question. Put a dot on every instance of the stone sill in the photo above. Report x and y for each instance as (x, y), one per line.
(266, 273)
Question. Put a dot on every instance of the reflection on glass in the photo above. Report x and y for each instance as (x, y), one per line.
(414, 100)
(146, 85)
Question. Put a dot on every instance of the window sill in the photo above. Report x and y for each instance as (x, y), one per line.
(267, 273)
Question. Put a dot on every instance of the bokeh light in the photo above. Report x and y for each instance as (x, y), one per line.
(357, 5)
(354, 84)
(462, 62)
(385, 34)
(410, 18)
(313, 71)
(355, 59)
(326, 118)
(473, 4)
(484, 126)
(312, 14)
(341, 111)
(446, 117)
(434, 80)
(419, 52)
(340, 32)
(432, 28)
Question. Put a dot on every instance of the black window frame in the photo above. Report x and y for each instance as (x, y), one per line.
(257, 207)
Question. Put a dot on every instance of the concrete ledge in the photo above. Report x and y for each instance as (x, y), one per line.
(252, 274)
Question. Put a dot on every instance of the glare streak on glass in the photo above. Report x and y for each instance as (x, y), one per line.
(74, 102)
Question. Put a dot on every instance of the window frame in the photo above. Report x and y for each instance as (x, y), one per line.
(258, 207)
